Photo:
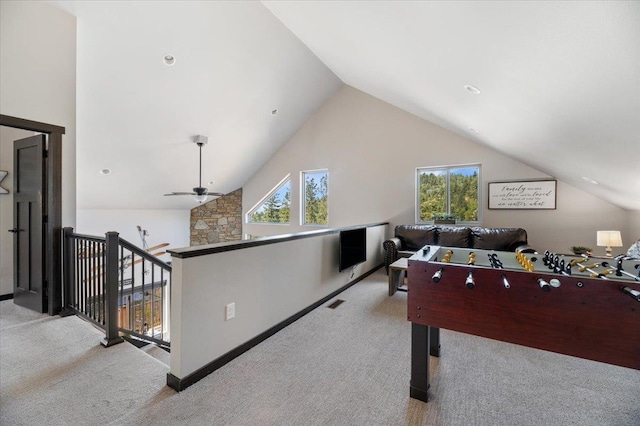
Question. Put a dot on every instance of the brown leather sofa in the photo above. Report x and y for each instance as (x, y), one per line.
(411, 238)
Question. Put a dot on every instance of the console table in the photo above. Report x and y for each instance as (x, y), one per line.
(396, 275)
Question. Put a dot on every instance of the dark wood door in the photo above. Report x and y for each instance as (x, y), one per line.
(29, 288)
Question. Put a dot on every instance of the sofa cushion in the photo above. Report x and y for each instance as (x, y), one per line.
(500, 239)
(414, 237)
(454, 236)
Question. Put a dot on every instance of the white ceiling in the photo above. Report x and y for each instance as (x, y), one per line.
(235, 63)
(559, 81)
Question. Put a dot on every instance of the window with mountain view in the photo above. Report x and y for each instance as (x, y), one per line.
(448, 191)
(314, 194)
(275, 207)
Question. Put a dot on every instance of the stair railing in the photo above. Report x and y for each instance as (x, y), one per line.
(117, 286)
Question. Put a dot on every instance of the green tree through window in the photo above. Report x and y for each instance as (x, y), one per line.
(315, 190)
(275, 207)
(449, 190)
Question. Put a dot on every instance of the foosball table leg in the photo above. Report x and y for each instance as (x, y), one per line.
(420, 348)
(434, 339)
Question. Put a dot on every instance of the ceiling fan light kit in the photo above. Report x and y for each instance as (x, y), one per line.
(200, 193)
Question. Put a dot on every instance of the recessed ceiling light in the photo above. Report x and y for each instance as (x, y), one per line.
(105, 171)
(588, 179)
(472, 89)
(169, 60)
(211, 182)
(274, 111)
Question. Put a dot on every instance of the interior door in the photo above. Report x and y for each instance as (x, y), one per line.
(29, 288)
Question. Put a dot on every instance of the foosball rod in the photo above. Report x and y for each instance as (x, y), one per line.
(621, 271)
(595, 274)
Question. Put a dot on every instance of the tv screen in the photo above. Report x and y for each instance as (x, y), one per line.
(353, 247)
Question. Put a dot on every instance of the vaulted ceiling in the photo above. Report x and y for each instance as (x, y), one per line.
(235, 63)
(559, 85)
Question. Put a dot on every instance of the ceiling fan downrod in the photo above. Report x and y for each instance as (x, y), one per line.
(200, 169)
(200, 193)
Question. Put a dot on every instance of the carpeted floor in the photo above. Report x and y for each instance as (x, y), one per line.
(343, 366)
(12, 314)
(56, 372)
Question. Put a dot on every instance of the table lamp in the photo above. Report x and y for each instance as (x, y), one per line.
(609, 239)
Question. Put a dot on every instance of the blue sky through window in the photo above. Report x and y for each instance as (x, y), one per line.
(314, 175)
(280, 192)
(465, 171)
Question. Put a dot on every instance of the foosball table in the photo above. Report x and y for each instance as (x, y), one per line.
(581, 306)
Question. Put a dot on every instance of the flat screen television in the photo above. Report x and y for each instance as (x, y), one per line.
(353, 247)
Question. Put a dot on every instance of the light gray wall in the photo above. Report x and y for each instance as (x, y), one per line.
(268, 284)
(372, 150)
(634, 229)
(38, 78)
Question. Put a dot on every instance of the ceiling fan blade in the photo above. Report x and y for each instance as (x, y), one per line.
(180, 193)
(215, 194)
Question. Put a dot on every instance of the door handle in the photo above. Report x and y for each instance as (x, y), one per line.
(15, 231)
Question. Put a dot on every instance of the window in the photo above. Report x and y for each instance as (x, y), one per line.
(275, 207)
(448, 190)
(314, 194)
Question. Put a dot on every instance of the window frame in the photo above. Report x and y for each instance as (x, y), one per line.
(447, 169)
(303, 199)
(264, 199)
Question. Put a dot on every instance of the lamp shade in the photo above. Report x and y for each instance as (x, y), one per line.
(609, 239)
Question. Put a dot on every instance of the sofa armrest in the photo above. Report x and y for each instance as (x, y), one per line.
(391, 247)
(525, 248)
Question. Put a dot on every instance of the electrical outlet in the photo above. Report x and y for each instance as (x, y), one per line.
(229, 311)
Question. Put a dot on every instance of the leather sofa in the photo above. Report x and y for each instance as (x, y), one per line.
(410, 238)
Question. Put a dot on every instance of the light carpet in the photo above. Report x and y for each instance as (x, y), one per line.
(343, 366)
(12, 314)
(56, 372)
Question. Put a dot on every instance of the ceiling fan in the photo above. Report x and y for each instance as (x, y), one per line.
(199, 193)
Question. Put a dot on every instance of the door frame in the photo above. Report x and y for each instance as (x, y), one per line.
(53, 207)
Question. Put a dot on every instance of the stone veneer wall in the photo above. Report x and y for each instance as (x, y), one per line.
(218, 220)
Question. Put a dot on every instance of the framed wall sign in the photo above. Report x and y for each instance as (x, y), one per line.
(523, 195)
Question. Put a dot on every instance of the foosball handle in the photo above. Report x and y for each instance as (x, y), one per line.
(545, 286)
(633, 293)
(469, 282)
(505, 281)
